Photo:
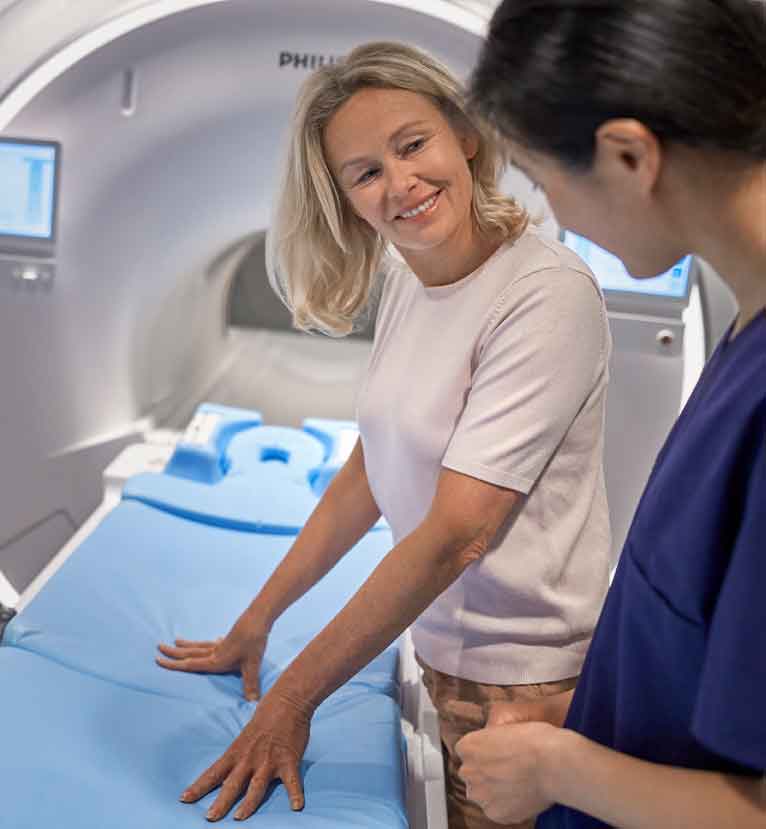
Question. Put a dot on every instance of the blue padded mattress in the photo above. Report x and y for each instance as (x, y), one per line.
(146, 576)
(98, 735)
(82, 753)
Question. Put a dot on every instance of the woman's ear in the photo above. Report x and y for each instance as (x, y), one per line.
(469, 141)
(628, 154)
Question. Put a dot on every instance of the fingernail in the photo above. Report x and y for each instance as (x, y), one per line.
(185, 797)
(239, 816)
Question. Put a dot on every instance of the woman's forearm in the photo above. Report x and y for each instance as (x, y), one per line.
(464, 518)
(345, 513)
(629, 793)
(402, 586)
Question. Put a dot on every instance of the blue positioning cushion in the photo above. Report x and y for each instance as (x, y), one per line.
(199, 455)
(81, 753)
(231, 471)
(263, 487)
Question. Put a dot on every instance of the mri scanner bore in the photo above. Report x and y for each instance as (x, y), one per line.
(129, 238)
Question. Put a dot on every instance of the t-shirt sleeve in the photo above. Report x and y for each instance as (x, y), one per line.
(545, 353)
(730, 713)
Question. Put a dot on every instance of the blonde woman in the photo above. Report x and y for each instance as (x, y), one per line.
(481, 423)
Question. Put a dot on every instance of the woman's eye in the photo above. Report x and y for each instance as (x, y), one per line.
(366, 176)
(413, 146)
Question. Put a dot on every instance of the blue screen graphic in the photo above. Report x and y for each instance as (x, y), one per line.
(613, 276)
(27, 189)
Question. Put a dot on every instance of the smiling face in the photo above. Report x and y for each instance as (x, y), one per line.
(404, 170)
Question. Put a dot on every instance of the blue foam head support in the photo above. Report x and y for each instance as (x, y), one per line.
(289, 452)
(230, 471)
(200, 454)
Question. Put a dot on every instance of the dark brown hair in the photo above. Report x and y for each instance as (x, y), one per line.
(693, 71)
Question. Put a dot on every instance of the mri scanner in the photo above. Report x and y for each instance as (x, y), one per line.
(164, 431)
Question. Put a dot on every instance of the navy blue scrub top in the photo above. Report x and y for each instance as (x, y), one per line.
(676, 672)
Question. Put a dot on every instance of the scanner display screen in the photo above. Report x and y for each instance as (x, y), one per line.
(613, 276)
(27, 188)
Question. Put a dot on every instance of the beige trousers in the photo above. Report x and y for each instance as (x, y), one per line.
(443, 689)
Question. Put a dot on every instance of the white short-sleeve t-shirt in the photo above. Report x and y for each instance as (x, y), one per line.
(501, 376)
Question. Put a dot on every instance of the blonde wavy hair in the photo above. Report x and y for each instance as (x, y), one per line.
(323, 260)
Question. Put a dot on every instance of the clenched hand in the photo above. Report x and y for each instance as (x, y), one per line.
(501, 763)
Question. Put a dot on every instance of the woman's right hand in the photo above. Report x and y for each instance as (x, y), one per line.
(240, 650)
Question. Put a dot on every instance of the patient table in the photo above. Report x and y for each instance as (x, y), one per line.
(96, 735)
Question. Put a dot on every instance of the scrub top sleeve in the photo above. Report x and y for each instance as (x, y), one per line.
(730, 712)
(545, 356)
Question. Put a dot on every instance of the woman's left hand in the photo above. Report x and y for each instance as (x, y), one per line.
(502, 769)
(270, 746)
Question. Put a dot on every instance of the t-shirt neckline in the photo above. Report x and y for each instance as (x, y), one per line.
(439, 291)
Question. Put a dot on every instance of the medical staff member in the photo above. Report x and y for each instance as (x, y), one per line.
(481, 422)
(645, 123)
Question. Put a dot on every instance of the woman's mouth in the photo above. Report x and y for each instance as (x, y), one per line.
(422, 209)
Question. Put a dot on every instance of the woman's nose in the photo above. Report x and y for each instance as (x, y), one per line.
(400, 181)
